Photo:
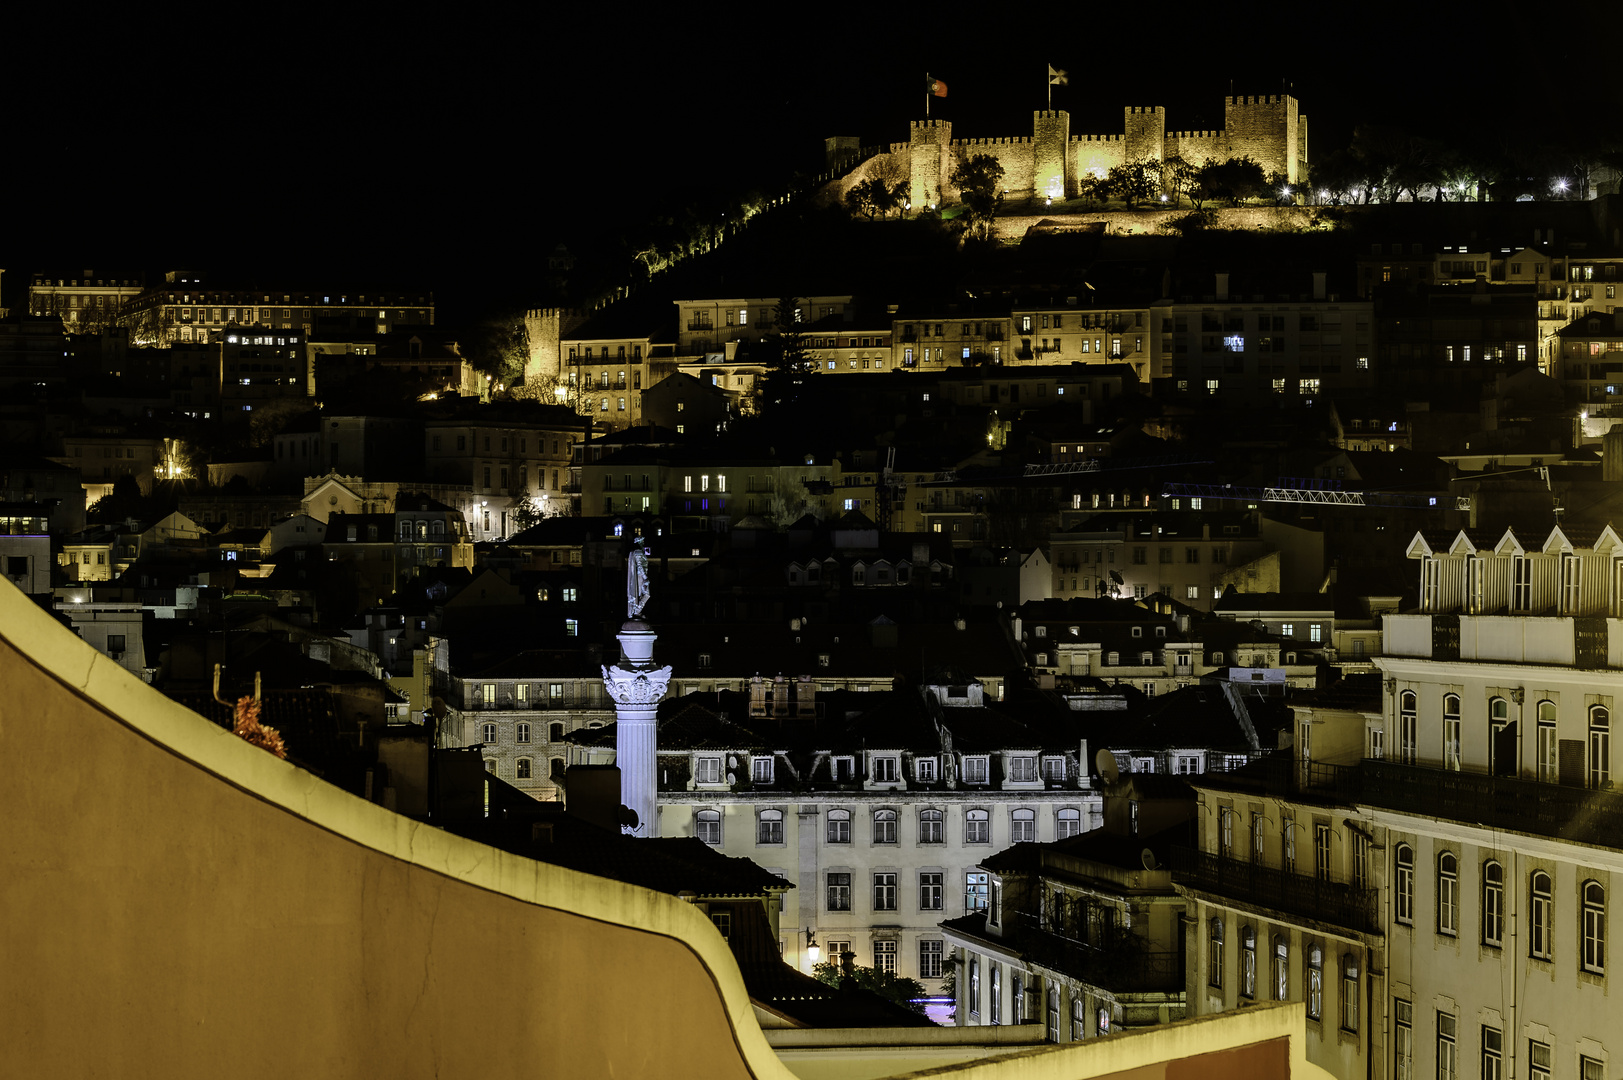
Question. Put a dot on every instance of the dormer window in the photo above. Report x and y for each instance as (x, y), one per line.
(975, 770)
(1023, 769)
(761, 769)
(924, 770)
(886, 770)
(707, 770)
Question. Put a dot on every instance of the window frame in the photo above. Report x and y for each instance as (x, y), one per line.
(1448, 1065)
(1248, 963)
(1592, 927)
(884, 890)
(1349, 992)
(1448, 894)
(1540, 915)
(1214, 953)
(1314, 991)
(1493, 904)
(837, 826)
(932, 890)
(707, 824)
(884, 826)
(837, 890)
(765, 835)
(931, 821)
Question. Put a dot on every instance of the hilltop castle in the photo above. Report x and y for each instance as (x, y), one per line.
(1052, 161)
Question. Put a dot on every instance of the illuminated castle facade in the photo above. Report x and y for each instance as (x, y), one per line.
(1269, 130)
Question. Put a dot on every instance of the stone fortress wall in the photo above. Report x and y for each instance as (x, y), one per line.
(1268, 129)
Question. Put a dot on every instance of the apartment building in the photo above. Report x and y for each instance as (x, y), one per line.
(1431, 865)
(188, 304)
(878, 805)
(85, 301)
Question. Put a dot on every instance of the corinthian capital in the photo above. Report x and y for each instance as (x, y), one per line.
(636, 687)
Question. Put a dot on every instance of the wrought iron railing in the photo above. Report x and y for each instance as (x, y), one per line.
(1122, 967)
(1279, 890)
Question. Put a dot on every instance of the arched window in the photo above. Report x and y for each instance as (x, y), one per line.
(1053, 1014)
(930, 827)
(1451, 732)
(1403, 884)
(977, 827)
(884, 826)
(1493, 904)
(997, 995)
(1540, 916)
(1546, 748)
(1214, 954)
(1067, 823)
(839, 827)
(975, 985)
(1282, 979)
(1079, 1014)
(1349, 992)
(1023, 826)
(555, 770)
(769, 827)
(1503, 739)
(1448, 893)
(1600, 746)
(1315, 982)
(1248, 963)
(1017, 994)
(707, 826)
(1408, 714)
(1594, 927)
(555, 733)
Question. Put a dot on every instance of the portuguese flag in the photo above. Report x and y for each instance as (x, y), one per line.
(935, 87)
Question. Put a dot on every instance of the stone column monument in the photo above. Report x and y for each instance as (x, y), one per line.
(636, 686)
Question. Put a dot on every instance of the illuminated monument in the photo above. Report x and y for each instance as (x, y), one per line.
(636, 686)
(1270, 130)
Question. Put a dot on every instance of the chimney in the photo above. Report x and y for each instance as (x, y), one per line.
(1222, 286)
(1318, 284)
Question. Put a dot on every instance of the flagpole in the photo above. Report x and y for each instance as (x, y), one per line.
(927, 89)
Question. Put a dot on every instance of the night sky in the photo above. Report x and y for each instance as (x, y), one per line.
(391, 142)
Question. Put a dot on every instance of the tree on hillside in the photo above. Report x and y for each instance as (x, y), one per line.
(1234, 179)
(787, 364)
(979, 183)
(1134, 181)
(859, 200)
(1179, 177)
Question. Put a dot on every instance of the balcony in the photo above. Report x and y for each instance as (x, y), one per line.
(1581, 815)
(700, 326)
(1278, 890)
(1126, 967)
(1582, 641)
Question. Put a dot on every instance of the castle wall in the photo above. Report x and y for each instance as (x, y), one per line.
(1095, 155)
(930, 161)
(1015, 155)
(1145, 131)
(1263, 129)
(1050, 171)
(546, 328)
(1198, 147)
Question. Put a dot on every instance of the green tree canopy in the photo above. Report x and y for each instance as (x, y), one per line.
(979, 182)
(894, 988)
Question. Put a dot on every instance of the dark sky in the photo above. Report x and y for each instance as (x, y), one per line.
(429, 144)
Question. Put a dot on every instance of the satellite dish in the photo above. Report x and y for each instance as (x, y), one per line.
(1105, 762)
(1115, 576)
(1147, 857)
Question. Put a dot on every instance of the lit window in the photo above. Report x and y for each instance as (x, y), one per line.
(707, 826)
(769, 827)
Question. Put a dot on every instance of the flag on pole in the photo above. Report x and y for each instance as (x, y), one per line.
(935, 87)
(1057, 77)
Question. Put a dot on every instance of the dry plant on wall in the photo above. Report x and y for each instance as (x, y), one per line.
(246, 725)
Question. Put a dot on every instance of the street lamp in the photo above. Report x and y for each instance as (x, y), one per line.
(814, 951)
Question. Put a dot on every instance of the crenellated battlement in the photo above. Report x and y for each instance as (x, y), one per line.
(1051, 114)
(1195, 134)
(1145, 110)
(992, 142)
(1097, 138)
(918, 125)
(1270, 99)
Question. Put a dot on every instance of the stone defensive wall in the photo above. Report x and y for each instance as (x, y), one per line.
(1154, 222)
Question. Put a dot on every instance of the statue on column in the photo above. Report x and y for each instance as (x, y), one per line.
(636, 579)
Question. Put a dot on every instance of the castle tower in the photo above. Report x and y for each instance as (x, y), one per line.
(546, 328)
(1145, 134)
(1265, 130)
(930, 148)
(1050, 139)
(636, 686)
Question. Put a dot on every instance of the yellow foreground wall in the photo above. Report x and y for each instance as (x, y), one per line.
(178, 903)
